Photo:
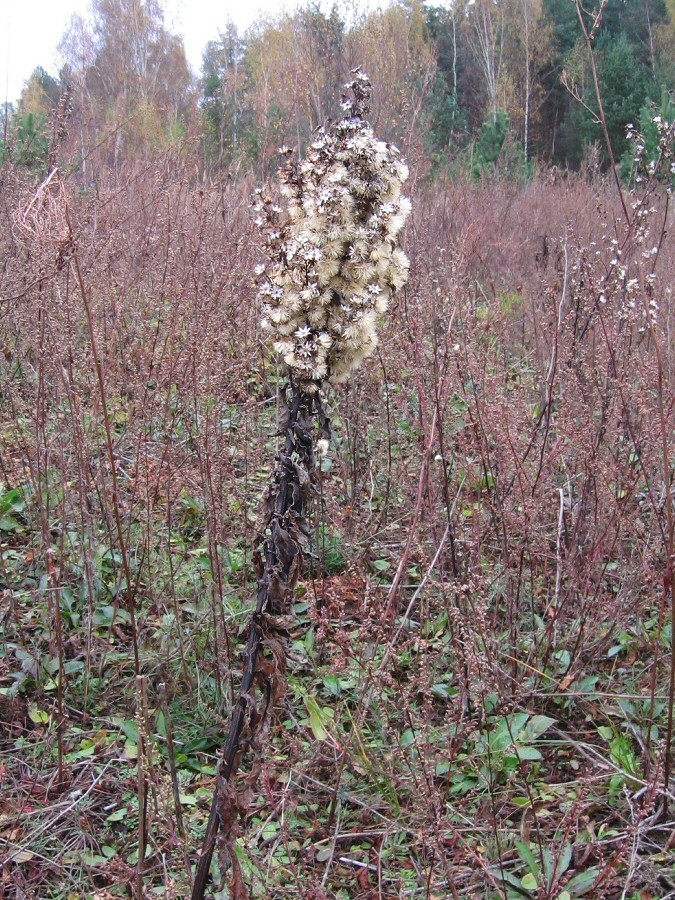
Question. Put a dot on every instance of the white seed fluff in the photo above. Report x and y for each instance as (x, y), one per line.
(334, 262)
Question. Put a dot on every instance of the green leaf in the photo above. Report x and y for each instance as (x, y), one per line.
(38, 716)
(564, 859)
(104, 615)
(270, 830)
(517, 722)
(332, 684)
(527, 857)
(588, 684)
(528, 753)
(507, 731)
(537, 726)
(73, 665)
(52, 666)
(317, 718)
(407, 738)
(118, 815)
(9, 524)
(12, 501)
(562, 657)
(507, 877)
(549, 863)
(161, 725)
(582, 883)
(129, 727)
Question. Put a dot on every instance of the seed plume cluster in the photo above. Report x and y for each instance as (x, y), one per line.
(334, 261)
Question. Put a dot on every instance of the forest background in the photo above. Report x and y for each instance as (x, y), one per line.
(461, 84)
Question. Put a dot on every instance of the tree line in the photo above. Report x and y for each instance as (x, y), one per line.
(465, 86)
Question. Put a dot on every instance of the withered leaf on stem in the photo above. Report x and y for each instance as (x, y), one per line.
(301, 477)
(285, 547)
(276, 647)
(281, 623)
(266, 510)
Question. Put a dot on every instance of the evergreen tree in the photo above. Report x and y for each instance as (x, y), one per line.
(624, 86)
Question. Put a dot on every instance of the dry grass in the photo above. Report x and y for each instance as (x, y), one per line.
(478, 690)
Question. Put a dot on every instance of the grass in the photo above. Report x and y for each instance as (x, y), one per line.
(497, 481)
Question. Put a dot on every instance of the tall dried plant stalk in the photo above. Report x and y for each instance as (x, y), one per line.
(333, 267)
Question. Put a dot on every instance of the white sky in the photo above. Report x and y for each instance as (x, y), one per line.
(30, 31)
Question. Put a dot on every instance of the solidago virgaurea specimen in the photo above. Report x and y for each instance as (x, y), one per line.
(333, 268)
(334, 264)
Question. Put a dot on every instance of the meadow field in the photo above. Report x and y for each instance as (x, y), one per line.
(479, 675)
(463, 684)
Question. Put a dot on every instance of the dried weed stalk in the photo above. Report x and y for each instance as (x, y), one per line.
(334, 266)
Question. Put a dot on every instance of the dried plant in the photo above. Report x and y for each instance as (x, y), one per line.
(334, 266)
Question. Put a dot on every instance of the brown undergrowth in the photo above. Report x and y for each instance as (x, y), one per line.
(477, 697)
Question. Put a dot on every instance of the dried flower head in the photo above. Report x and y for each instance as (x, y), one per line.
(334, 262)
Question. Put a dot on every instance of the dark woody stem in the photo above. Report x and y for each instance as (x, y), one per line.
(283, 522)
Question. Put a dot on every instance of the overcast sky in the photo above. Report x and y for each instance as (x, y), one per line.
(30, 30)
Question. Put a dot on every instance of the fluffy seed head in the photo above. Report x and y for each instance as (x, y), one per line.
(334, 263)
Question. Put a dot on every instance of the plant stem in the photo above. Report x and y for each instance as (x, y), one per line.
(131, 604)
(284, 501)
(601, 109)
